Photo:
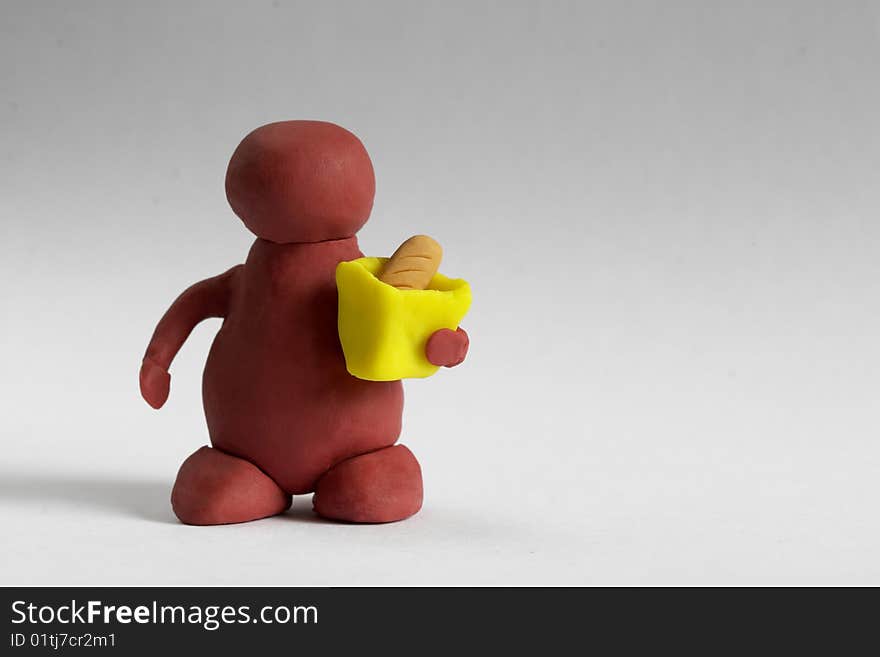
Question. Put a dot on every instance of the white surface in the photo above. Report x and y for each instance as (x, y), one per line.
(668, 215)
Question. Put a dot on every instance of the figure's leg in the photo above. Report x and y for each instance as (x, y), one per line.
(380, 486)
(215, 488)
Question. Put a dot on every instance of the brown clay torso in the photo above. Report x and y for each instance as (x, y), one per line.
(275, 388)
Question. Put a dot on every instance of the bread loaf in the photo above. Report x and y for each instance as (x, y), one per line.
(414, 264)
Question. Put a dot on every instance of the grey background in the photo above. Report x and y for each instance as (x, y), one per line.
(667, 212)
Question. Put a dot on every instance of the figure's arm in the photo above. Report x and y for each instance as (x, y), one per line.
(447, 348)
(208, 298)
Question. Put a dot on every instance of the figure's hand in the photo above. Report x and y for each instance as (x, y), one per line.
(447, 347)
(155, 383)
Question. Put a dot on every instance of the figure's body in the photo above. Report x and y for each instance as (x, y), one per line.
(283, 414)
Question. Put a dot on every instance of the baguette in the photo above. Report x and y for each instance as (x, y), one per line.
(414, 264)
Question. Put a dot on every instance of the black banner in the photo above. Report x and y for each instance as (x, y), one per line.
(232, 620)
(220, 621)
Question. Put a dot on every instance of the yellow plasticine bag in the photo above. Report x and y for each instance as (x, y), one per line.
(383, 329)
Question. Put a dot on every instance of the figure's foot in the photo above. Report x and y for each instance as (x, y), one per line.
(215, 488)
(381, 486)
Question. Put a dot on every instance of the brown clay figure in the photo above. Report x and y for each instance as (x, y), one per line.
(284, 415)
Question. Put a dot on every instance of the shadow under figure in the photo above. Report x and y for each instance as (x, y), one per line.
(284, 415)
(144, 499)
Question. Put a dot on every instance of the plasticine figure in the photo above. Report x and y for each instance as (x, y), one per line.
(284, 415)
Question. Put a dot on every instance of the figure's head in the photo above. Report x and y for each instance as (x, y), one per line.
(301, 181)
